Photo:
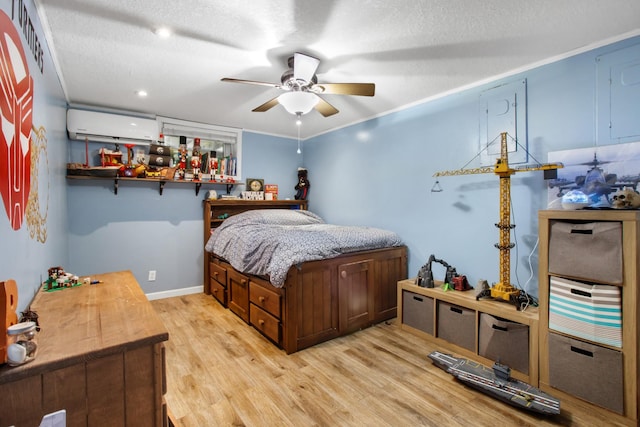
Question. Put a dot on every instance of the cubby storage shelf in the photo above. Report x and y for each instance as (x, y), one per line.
(573, 364)
(424, 309)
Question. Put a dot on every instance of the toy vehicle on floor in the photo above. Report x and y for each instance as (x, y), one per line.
(497, 382)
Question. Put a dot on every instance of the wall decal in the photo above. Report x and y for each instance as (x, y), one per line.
(36, 220)
(16, 109)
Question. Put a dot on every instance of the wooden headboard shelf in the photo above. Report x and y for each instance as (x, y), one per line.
(215, 210)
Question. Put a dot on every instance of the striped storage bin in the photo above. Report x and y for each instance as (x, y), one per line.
(588, 311)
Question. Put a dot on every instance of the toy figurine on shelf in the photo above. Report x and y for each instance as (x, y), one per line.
(196, 159)
(626, 198)
(129, 170)
(213, 165)
(59, 279)
(182, 162)
(303, 185)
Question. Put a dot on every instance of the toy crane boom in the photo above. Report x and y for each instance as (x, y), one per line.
(504, 289)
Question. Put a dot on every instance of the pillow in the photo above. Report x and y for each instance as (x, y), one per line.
(274, 217)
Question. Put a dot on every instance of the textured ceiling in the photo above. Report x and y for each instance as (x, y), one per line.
(106, 50)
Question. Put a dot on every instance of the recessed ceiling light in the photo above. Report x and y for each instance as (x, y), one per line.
(142, 93)
(162, 32)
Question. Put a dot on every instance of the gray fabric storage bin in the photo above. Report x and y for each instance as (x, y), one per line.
(588, 371)
(591, 251)
(504, 341)
(417, 311)
(457, 325)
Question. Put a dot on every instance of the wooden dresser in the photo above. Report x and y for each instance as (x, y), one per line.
(100, 357)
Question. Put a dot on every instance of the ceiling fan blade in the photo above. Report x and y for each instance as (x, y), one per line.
(361, 89)
(325, 108)
(266, 106)
(304, 67)
(251, 82)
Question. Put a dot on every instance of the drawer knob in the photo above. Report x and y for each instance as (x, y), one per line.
(261, 299)
(343, 273)
(261, 322)
(215, 274)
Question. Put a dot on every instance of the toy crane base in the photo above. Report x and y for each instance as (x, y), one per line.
(502, 292)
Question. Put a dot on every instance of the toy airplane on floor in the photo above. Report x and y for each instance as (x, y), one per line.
(497, 382)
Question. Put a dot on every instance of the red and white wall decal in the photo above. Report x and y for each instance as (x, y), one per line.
(16, 117)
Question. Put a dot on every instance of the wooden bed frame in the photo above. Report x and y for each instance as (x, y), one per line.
(319, 301)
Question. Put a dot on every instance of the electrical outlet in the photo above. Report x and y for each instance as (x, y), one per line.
(152, 275)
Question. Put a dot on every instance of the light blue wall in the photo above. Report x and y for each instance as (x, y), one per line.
(272, 158)
(376, 173)
(140, 230)
(24, 257)
(379, 172)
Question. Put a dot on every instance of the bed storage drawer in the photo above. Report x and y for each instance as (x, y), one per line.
(218, 282)
(457, 325)
(265, 323)
(265, 299)
(218, 291)
(218, 273)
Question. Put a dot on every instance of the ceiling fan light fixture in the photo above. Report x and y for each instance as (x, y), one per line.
(298, 102)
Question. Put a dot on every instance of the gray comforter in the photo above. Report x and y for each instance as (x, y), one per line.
(268, 242)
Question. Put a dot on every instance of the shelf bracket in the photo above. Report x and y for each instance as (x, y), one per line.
(229, 188)
(115, 186)
(161, 187)
(198, 185)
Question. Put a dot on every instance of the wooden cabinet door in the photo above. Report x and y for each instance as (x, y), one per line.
(238, 288)
(356, 289)
(388, 271)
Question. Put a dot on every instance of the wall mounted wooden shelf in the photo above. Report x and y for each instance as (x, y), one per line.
(161, 182)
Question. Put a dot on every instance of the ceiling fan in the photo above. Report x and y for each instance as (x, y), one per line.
(301, 87)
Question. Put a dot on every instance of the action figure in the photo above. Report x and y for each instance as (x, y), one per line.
(303, 185)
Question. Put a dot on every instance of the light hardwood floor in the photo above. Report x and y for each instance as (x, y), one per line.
(221, 372)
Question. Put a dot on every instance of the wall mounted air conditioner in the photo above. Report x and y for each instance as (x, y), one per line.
(110, 128)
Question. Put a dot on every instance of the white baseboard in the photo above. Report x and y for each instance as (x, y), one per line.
(175, 293)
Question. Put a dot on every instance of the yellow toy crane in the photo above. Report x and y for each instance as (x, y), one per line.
(503, 290)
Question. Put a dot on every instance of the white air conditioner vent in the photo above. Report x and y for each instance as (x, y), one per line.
(110, 128)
